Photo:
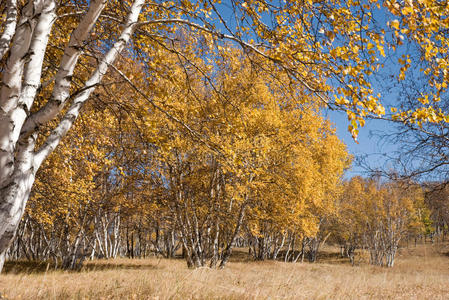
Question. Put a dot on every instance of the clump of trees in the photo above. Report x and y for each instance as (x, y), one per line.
(378, 216)
(437, 199)
(247, 165)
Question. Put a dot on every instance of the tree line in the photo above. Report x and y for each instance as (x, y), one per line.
(266, 175)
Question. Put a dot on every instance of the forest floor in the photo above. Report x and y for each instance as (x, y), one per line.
(420, 272)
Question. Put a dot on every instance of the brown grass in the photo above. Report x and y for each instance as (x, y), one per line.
(420, 273)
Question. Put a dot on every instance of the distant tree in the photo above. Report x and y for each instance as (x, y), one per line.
(437, 201)
(378, 216)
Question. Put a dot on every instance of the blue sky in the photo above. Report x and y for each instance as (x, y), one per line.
(369, 145)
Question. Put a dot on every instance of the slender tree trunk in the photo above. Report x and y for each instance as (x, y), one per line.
(13, 199)
(228, 250)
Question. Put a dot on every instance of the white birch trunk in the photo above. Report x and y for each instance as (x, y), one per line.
(61, 90)
(19, 161)
(10, 27)
(11, 87)
(74, 110)
(16, 170)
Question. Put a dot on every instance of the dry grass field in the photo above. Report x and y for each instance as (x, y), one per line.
(419, 273)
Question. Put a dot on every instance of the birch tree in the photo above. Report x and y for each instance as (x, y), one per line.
(20, 154)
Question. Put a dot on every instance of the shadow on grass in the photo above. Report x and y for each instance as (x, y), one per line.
(27, 267)
(238, 255)
(330, 257)
(38, 267)
(117, 266)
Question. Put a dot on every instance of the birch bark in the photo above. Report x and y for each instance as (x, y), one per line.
(10, 27)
